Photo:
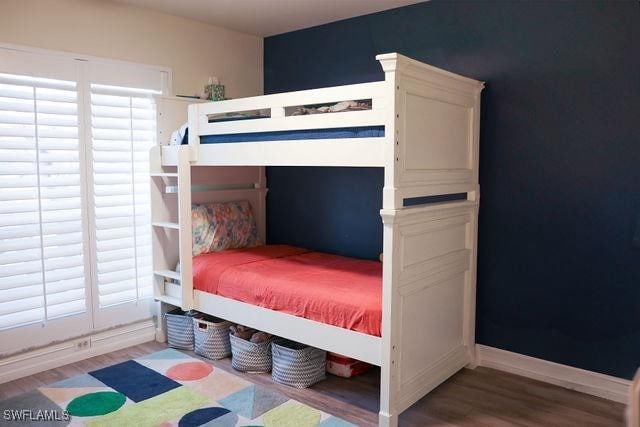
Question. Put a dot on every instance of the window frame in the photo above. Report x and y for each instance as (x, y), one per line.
(94, 319)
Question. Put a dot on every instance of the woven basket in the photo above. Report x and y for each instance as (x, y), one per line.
(250, 357)
(297, 365)
(212, 338)
(180, 329)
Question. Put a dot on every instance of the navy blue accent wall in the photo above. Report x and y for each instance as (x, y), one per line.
(334, 210)
(558, 276)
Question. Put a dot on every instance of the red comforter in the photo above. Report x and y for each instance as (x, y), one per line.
(331, 289)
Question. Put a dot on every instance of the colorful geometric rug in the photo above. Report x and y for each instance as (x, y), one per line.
(167, 388)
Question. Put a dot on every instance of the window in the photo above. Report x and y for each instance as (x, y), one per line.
(41, 255)
(75, 223)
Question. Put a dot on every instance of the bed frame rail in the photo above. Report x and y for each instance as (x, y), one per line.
(327, 337)
(276, 105)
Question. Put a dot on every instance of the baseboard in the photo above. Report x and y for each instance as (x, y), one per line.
(601, 385)
(32, 362)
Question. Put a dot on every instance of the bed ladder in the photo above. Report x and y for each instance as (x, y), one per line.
(171, 224)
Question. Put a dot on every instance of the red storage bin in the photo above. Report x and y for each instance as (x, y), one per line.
(345, 367)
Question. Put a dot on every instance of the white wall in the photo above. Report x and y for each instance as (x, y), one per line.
(193, 50)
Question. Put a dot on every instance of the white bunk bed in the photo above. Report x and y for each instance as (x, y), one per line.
(430, 147)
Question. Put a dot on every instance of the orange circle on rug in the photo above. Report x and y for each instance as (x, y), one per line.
(189, 371)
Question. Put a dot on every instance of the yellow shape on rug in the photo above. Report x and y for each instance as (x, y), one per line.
(151, 412)
(292, 415)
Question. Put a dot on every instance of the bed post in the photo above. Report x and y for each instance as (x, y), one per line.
(261, 214)
(389, 411)
(472, 233)
(184, 220)
(187, 154)
(194, 131)
(391, 202)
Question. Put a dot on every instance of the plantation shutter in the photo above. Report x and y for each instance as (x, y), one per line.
(42, 273)
(123, 129)
(75, 233)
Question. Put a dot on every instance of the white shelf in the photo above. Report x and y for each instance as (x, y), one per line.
(170, 274)
(166, 224)
(165, 174)
(169, 300)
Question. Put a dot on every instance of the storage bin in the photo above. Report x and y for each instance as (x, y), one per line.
(297, 365)
(180, 329)
(345, 367)
(247, 356)
(211, 337)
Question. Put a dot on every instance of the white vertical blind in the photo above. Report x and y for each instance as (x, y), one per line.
(123, 123)
(42, 273)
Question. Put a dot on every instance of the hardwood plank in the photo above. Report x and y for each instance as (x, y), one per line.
(482, 397)
(535, 393)
(10, 389)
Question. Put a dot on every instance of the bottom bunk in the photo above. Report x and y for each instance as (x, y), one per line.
(412, 314)
(367, 348)
(330, 289)
(322, 300)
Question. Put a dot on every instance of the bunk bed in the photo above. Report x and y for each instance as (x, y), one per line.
(421, 124)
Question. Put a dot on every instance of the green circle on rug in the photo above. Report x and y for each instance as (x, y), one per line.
(98, 403)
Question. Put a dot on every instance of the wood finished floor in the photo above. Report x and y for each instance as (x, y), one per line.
(480, 397)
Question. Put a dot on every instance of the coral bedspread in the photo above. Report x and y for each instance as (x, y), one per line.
(331, 289)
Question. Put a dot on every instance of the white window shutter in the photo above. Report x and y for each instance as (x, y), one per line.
(75, 232)
(42, 273)
(123, 128)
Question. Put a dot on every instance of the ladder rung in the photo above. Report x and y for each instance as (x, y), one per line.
(165, 174)
(168, 299)
(167, 273)
(166, 224)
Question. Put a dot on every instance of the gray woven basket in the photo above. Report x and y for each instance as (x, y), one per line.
(250, 357)
(212, 338)
(297, 365)
(179, 329)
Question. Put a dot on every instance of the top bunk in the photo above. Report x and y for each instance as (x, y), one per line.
(420, 124)
(348, 128)
(335, 126)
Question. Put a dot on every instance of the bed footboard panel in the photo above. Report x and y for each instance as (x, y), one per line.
(430, 295)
